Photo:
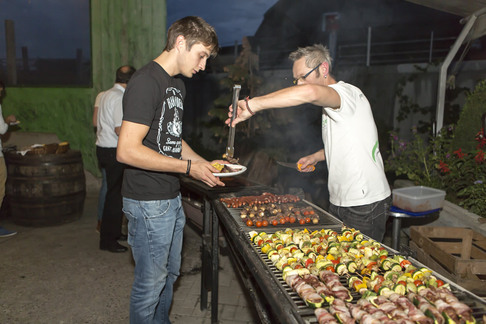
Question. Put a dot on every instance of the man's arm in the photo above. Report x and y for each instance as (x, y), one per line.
(312, 159)
(189, 154)
(96, 107)
(3, 125)
(200, 168)
(95, 116)
(131, 151)
(318, 95)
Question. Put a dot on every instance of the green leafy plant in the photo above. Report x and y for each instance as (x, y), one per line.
(415, 159)
(409, 106)
(464, 176)
(434, 162)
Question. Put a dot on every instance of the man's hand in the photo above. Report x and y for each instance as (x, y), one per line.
(203, 171)
(242, 113)
(10, 119)
(307, 163)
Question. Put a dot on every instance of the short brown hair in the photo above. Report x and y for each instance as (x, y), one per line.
(195, 30)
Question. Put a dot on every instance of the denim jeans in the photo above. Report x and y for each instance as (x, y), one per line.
(368, 219)
(155, 230)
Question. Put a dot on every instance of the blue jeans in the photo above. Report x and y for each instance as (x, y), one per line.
(155, 230)
(102, 195)
(368, 219)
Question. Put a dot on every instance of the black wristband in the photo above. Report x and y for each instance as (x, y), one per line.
(188, 167)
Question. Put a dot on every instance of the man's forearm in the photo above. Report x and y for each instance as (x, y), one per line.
(189, 154)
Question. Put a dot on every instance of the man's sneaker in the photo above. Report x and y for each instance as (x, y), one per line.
(5, 232)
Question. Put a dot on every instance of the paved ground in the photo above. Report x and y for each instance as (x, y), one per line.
(57, 274)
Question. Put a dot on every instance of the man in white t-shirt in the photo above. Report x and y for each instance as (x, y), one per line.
(110, 115)
(359, 193)
(102, 193)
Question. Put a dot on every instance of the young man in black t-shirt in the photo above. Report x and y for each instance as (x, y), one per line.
(150, 144)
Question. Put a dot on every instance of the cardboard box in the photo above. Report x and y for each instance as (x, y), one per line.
(418, 198)
(458, 254)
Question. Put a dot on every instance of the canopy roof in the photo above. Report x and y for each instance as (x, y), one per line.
(463, 8)
(474, 19)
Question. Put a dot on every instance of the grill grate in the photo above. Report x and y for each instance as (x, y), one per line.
(326, 220)
(302, 309)
(307, 313)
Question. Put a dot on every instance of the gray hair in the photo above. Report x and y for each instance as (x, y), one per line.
(314, 55)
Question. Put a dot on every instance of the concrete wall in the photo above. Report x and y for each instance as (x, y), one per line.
(380, 84)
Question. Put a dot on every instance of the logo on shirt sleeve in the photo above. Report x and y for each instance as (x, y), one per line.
(170, 124)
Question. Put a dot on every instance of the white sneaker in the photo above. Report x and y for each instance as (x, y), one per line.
(5, 232)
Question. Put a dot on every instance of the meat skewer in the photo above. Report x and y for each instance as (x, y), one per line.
(447, 304)
(428, 309)
(340, 310)
(324, 317)
(332, 281)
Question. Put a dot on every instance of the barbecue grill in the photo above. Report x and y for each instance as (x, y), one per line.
(307, 314)
(198, 195)
(274, 300)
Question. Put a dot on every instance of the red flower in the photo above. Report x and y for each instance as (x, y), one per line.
(443, 167)
(479, 156)
(481, 139)
(459, 153)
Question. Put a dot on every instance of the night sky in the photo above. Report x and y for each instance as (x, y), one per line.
(57, 28)
(232, 19)
(48, 28)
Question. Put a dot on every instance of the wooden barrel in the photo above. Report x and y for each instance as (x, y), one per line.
(46, 189)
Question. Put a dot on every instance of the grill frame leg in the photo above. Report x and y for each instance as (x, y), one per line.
(396, 228)
(206, 255)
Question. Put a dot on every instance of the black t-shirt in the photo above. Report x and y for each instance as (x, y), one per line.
(155, 99)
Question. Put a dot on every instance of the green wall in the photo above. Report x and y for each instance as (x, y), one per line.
(122, 32)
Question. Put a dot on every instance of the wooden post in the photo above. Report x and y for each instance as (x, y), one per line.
(11, 57)
(79, 63)
(25, 60)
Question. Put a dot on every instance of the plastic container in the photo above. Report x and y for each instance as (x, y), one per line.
(418, 198)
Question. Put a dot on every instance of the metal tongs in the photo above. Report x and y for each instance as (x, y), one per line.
(230, 148)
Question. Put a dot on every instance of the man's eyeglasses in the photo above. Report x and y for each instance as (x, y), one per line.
(295, 81)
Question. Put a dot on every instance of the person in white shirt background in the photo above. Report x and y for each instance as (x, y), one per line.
(4, 124)
(102, 193)
(110, 114)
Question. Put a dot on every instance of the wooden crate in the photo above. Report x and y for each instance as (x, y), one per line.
(458, 254)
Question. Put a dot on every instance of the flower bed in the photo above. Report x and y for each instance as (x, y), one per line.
(453, 161)
(433, 163)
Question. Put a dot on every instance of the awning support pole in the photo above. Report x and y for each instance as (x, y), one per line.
(445, 65)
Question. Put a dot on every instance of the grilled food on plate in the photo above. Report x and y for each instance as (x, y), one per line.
(230, 159)
(224, 168)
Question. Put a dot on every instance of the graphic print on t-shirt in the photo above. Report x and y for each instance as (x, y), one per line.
(170, 123)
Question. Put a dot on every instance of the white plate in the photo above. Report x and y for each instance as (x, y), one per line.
(238, 167)
(14, 123)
